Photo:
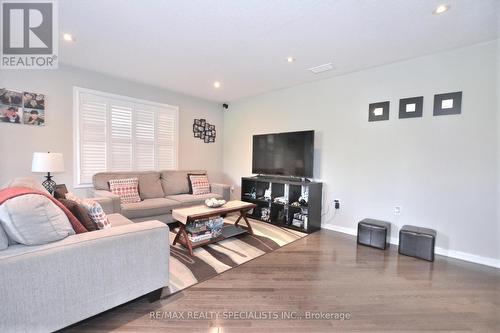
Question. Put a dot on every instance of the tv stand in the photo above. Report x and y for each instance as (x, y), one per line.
(293, 203)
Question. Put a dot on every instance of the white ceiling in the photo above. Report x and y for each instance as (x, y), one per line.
(185, 45)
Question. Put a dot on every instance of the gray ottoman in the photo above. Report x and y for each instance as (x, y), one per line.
(374, 233)
(417, 242)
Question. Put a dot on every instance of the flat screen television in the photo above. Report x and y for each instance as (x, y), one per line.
(286, 154)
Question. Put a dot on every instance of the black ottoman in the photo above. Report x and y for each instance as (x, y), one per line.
(374, 233)
(417, 242)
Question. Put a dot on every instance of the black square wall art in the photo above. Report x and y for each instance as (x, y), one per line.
(450, 103)
(378, 111)
(411, 107)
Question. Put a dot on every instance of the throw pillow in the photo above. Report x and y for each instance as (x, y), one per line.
(80, 213)
(126, 189)
(94, 210)
(4, 241)
(33, 219)
(199, 184)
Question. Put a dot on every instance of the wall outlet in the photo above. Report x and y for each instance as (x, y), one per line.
(397, 210)
(336, 203)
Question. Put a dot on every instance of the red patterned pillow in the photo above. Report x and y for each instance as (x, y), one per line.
(199, 184)
(126, 189)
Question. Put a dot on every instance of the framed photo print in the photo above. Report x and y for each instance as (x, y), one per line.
(11, 114)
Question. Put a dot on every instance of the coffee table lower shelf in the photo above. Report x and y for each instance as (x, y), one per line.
(227, 231)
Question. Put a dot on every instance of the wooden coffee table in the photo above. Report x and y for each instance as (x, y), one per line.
(189, 214)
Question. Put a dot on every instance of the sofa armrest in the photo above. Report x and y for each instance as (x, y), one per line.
(110, 200)
(81, 276)
(221, 189)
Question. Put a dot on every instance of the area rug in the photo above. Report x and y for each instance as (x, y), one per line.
(211, 260)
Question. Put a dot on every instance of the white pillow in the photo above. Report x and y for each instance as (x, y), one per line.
(28, 182)
(4, 241)
(33, 219)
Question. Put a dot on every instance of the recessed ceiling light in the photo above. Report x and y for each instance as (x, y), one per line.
(441, 9)
(68, 37)
(290, 59)
(216, 84)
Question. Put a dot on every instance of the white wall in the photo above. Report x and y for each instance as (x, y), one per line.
(441, 170)
(18, 142)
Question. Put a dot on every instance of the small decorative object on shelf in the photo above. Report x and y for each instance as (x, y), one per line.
(48, 162)
(267, 194)
(265, 214)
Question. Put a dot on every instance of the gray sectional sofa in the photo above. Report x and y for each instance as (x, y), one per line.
(47, 287)
(160, 191)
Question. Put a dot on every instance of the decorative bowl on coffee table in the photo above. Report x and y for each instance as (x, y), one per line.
(214, 203)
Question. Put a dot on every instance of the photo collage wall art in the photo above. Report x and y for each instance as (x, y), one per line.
(18, 107)
(204, 131)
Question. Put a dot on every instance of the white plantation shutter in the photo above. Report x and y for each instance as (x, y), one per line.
(92, 129)
(166, 139)
(117, 133)
(145, 133)
(120, 143)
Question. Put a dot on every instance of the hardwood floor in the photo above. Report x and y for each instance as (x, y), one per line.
(326, 272)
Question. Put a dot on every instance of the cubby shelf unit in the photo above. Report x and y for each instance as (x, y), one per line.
(282, 213)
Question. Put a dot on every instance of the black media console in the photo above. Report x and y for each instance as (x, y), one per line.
(289, 203)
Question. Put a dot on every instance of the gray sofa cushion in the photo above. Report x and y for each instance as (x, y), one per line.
(117, 220)
(176, 181)
(190, 199)
(149, 182)
(149, 207)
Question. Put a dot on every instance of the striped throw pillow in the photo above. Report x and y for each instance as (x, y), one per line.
(199, 184)
(126, 189)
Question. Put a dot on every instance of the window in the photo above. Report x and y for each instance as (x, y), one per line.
(118, 133)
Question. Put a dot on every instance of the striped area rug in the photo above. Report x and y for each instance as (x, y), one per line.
(211, 260)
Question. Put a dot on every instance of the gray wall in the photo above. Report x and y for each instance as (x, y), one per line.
(442, 170)
(18, 142)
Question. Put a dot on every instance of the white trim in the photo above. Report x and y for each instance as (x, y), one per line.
(124, 98)
(492, 262)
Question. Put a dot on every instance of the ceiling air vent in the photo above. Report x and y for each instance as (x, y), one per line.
(321, 68)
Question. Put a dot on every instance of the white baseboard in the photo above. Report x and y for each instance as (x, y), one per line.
(438, 250)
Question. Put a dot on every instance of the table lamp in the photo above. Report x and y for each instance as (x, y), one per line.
(48, 162)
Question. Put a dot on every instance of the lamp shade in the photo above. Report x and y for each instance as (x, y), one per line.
(47, 162)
